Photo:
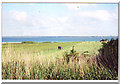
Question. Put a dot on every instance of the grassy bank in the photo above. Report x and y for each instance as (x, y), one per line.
(45, 61)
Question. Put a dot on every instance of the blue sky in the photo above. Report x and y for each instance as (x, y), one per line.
(59, 19)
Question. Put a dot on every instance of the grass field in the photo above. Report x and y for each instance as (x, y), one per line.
(44, 61)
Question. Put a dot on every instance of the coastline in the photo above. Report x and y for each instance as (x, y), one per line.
(11, 42)
(52, 42)
(55, 39)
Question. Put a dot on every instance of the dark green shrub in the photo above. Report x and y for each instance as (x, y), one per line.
(104, 40)
(46, 42)
(28, 42)
(85, 53)
(73, 54)
(108, 55)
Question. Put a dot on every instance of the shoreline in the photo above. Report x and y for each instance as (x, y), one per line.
(11, 42)
(52, 42)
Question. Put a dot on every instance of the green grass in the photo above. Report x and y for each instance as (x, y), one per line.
(48, 50)
(45, 61)
(44, 49)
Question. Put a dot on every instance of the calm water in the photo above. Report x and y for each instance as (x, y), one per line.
(56, 38)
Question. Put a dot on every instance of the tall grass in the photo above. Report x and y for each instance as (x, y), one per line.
(42, 61)
(57, 71)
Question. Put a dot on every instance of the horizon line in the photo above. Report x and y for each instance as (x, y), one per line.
(53, 36)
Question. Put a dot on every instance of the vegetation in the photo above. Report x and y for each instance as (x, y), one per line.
(72, 56)
(108, 55)
(104, 40)
(29, 42)
(43, 61)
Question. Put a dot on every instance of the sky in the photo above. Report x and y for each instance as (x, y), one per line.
(59, 19)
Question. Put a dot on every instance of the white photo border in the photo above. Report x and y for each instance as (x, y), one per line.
(56, 1)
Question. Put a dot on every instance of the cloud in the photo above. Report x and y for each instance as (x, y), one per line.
(79, 22)
(19, 15)
(115, 14)
(98, 14)
(63, 19)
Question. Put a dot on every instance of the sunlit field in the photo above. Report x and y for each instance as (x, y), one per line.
(43, 61)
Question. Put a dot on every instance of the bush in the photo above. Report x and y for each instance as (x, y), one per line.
(73, 54)
(29, 42)
(85, 53)
(108, 55)
(46, 42)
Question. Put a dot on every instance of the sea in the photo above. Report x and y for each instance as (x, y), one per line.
(55, 38)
